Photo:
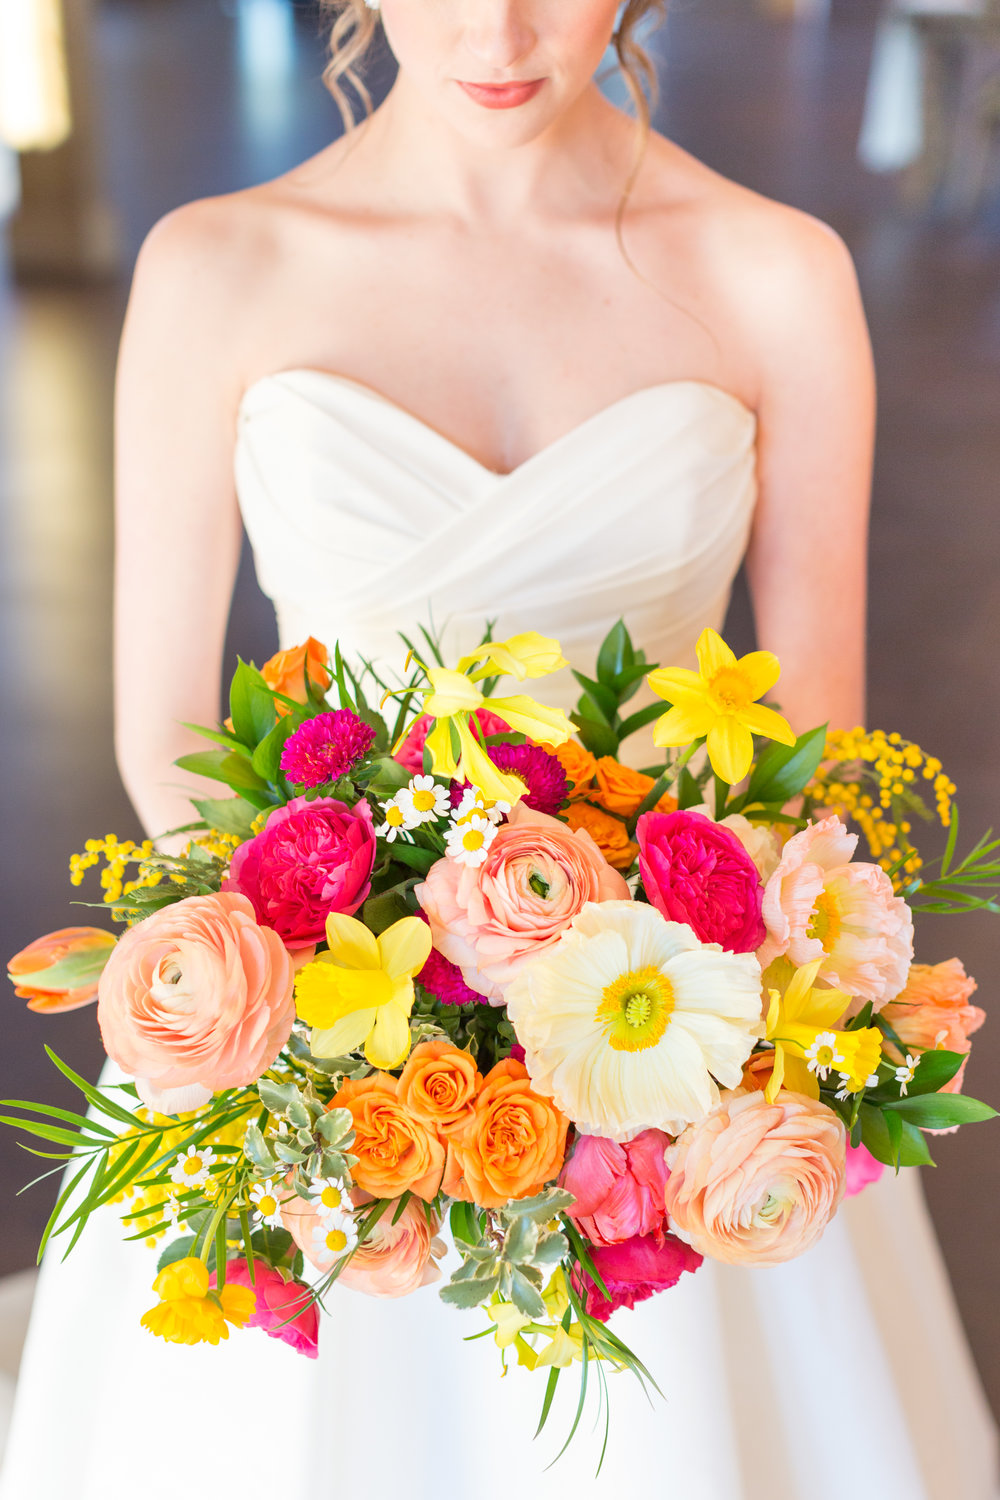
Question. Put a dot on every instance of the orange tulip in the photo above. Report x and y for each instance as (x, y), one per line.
(61, 970)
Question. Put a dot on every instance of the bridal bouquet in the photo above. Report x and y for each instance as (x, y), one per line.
(473, 969)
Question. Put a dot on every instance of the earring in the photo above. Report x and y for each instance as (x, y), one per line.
(374, 4)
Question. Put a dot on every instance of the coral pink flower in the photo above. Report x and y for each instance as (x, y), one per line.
(618, 1188)
(695, 871)
(491, 918)
(285, 1310)
(60, 971)
(195, 998)
(756, 1183)
(817, 904)
(411, 752)
(933, 1010)
(861, 1170)
(309, 859)
(633, 1271)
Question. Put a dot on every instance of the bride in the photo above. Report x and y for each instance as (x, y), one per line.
(499, 351)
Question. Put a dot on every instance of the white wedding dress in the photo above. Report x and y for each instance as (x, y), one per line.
(843, 1373)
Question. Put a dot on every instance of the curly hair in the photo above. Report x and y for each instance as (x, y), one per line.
(355, 24)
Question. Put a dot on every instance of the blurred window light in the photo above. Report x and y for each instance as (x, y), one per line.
(266, 32)
(34, 92)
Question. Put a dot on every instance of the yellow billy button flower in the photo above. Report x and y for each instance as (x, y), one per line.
(807, 1048)
(719, 701)
(360, 993)
(190, 1310)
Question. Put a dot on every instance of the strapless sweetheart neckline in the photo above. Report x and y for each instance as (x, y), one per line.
(596, 418)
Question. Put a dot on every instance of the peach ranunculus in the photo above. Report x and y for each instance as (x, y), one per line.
(289, 671)
(397, 1258)
(514, 1144)
(491, 918)
(580, 767)
(439, 1085)
(933, 1010)
(608, 832)
(754, 1183)
(396, 1151)
(622, 790)
(61, 970)
(817, 904)
(195, 998)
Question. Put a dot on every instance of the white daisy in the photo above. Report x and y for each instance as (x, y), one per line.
(474, 803)
(265, 1196)
(823, 1054)
(906, 1071)
(469, 841)
(192, 1169)
(428, 799)
(629, 1022)
(398, 818)
(331, 1240)
(330, 1196)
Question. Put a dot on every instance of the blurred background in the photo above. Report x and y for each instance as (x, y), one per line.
(882, 117)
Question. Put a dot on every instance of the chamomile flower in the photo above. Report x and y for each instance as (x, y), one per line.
(265, 1196)
(427, 800)
(398, 818)
(468, 842)
(330, 1197)
(192, 1169)
(332, 1239)
(906, 1071)
(823, 1054)
(474, 804)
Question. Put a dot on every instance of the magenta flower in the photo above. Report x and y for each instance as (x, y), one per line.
(538, 769)
(309, 859)
(325, 748)
(285, 1309)
(633, 1271)
(444, 981)
(696, 871)
(862, 1169)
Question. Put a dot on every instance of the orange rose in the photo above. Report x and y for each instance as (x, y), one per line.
(439, 1085)
(608, 833)
(579, 766)
(514, 1144)
(622, 790)
(396, 1152)
(287, 672)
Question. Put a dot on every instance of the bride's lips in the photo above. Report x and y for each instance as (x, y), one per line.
(501, 95)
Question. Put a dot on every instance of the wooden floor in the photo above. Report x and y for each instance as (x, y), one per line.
(201, 96)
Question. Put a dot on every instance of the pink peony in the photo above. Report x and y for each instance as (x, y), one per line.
(861, 1170)
(817, 904)
(756, 1183)
(195, 998)
(325, 748)
(618, 1188)
(633, 1271)
(411, 752)
(285, 1309)
(491, 918)
(309, 859)
(933, 1010)
(695, 871)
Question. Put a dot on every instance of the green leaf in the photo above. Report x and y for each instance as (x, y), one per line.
(604, 698)
(469, 1293)
(266, 759)
(251, 706)
(524, 1296)
(615, 654)
(414, 856)
(782, 771)
(228, 814)
(595, 735)
(939, 1111)
(380, 912)
(640, 719)
(464, 1223)
(933, 1071)
(221, 765)
(892, 1140)
(687, 791)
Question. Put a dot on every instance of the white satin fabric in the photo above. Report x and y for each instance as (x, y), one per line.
(842, 1374)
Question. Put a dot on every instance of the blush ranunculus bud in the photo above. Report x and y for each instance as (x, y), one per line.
(61, 970)
(696, 871)
(633, 1271)
(311, 858)
(196, 998)
(618, 1187)
(754, 1183)
(285, 1309)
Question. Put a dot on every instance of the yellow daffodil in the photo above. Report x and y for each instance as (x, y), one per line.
(190, 1310)
(520, 656)
(807, 1048)
(719, 701)
(361, 991)
(566, 1345)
